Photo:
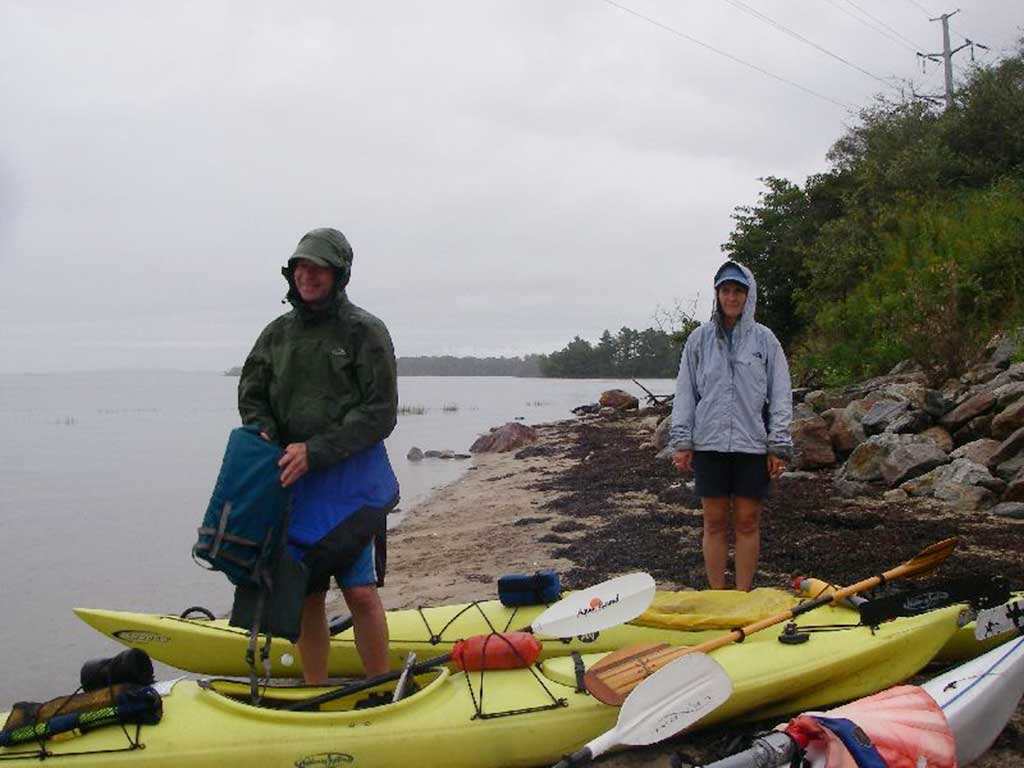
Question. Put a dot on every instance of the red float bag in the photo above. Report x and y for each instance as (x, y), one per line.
(504, 650)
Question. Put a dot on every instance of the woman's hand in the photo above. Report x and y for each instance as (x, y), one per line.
(683, 461)
(776, 466)
(294, 464)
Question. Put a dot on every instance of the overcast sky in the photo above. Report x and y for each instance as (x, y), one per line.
(510, 173)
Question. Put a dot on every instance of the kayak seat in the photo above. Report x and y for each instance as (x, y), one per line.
(373, 699)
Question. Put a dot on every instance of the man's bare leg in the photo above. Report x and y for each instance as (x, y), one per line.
(314, 639)
(370, 627)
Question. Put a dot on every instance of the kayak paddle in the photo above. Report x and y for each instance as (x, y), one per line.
(601, 606)
(673, 698)
(976, 591)
(612, 678)
(1001, 619)
(604, 605)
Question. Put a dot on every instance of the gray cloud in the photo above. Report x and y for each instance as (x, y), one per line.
(510, 173)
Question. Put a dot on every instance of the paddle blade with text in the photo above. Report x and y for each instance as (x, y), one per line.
(604, 605)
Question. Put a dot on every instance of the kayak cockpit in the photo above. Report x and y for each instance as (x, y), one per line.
(349, 697)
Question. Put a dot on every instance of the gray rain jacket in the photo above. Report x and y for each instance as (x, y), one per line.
(737, 401)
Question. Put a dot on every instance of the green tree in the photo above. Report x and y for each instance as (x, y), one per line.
(951, 272)
(986, 130)
(910, 245)
(576, 360)
(771, 238)
(604, 355)
(650, 353)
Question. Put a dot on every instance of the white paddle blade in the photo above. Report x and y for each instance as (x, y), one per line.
(673, 698)
(999, 620)
(604, 605)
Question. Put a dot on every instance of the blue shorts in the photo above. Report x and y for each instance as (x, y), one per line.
(367, 569)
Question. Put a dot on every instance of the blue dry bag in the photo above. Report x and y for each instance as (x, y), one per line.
(540, 588)
(242, 528)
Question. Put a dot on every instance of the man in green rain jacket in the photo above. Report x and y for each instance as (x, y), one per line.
(321, 381)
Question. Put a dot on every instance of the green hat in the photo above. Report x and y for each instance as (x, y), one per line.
(326, 247)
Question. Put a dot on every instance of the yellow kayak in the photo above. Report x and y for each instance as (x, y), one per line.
(212, 647)
(525, 717)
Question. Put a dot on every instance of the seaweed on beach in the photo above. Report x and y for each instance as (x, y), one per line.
(640, 516)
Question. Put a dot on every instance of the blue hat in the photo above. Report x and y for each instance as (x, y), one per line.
(730, 272)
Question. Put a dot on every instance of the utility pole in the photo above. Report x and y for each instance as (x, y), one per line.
(947, 54)
(947, 57)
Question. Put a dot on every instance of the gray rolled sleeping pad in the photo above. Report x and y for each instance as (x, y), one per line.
(775, 749)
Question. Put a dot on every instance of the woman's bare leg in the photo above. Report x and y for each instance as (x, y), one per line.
(716, 538)
(747, 522)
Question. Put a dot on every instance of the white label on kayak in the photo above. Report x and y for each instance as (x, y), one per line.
(164, 686)
(140, 636)
(287, 659)
(1003, 618)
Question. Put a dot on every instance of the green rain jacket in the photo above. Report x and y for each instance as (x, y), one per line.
(326, 377)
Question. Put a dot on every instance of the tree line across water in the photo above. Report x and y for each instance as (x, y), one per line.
(650, 353)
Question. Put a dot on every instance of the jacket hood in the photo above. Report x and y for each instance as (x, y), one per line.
(329, 248)
(749, 308)
(325, 246)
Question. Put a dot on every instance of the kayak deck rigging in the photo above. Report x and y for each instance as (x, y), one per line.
(436, 638)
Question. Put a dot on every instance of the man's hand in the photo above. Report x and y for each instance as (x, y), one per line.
(776, 466)
(683, 461)
(294, 464)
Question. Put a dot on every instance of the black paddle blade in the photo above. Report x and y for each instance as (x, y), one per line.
(978, 591)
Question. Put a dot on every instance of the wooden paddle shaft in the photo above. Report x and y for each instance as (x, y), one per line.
(611, 679)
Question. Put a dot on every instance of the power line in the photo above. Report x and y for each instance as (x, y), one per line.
(872, 27)
(920, 7)
(727, 55)
(740, 5)
(928, 13)
(882, 23)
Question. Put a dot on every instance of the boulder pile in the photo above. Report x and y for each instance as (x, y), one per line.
(899, 435)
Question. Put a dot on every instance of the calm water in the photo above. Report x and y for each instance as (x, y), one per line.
(105, 476)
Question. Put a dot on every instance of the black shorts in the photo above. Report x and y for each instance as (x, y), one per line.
(368, 568)
(731, 474)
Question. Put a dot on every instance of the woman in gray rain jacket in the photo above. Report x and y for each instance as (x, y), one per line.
(730, 421)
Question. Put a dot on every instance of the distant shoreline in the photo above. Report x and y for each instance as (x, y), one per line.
(237, 371)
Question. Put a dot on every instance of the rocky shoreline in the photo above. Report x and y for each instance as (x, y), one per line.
(960, 441)
(590, 499)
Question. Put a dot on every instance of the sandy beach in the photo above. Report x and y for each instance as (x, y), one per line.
(455, 545)
(493, 521)
(572, 502)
